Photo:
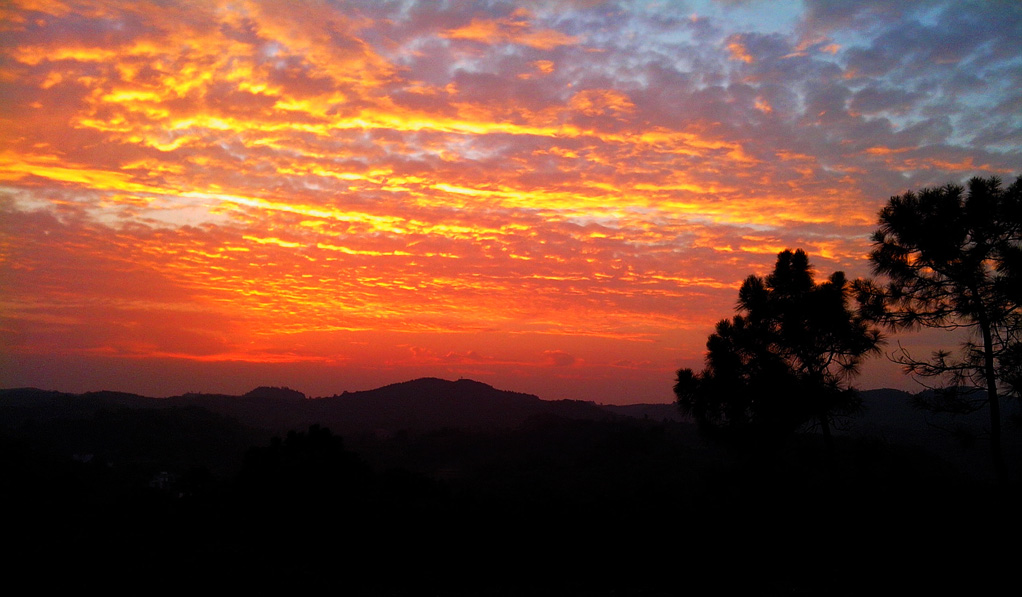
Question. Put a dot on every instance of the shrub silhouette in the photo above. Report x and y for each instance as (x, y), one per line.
(304, 467)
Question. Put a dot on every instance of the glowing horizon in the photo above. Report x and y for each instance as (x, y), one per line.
(553, 197)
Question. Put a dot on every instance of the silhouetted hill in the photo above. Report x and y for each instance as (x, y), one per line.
(891, 416)
(119, 429)
(273, 411)
(275, 393)
(431, 403)
(458, 488)
(651, 412)
(20, 404)
(417, 405)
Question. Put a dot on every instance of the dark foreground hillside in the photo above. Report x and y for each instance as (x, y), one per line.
(128, 498)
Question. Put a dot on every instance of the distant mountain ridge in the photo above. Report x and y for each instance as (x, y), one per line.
(275, 392)
(427, 403)
(432, 404)
(436, 403)
(419, 404)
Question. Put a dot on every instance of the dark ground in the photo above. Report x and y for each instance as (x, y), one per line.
(551, 506)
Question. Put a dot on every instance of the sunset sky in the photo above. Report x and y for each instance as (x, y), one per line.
(553, 197)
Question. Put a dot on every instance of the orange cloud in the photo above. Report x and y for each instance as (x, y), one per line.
(243, 182)
(594, 102)
(736, 46)
(511, 30)
(879, 150)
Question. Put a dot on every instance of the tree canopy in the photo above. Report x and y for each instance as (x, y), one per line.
(784, 360)
(950, 257)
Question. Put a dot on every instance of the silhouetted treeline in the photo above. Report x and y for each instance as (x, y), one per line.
(552, 506)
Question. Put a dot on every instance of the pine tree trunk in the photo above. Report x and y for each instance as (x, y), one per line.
(995, 407)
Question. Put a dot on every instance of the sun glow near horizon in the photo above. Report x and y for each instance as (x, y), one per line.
(560, 198)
